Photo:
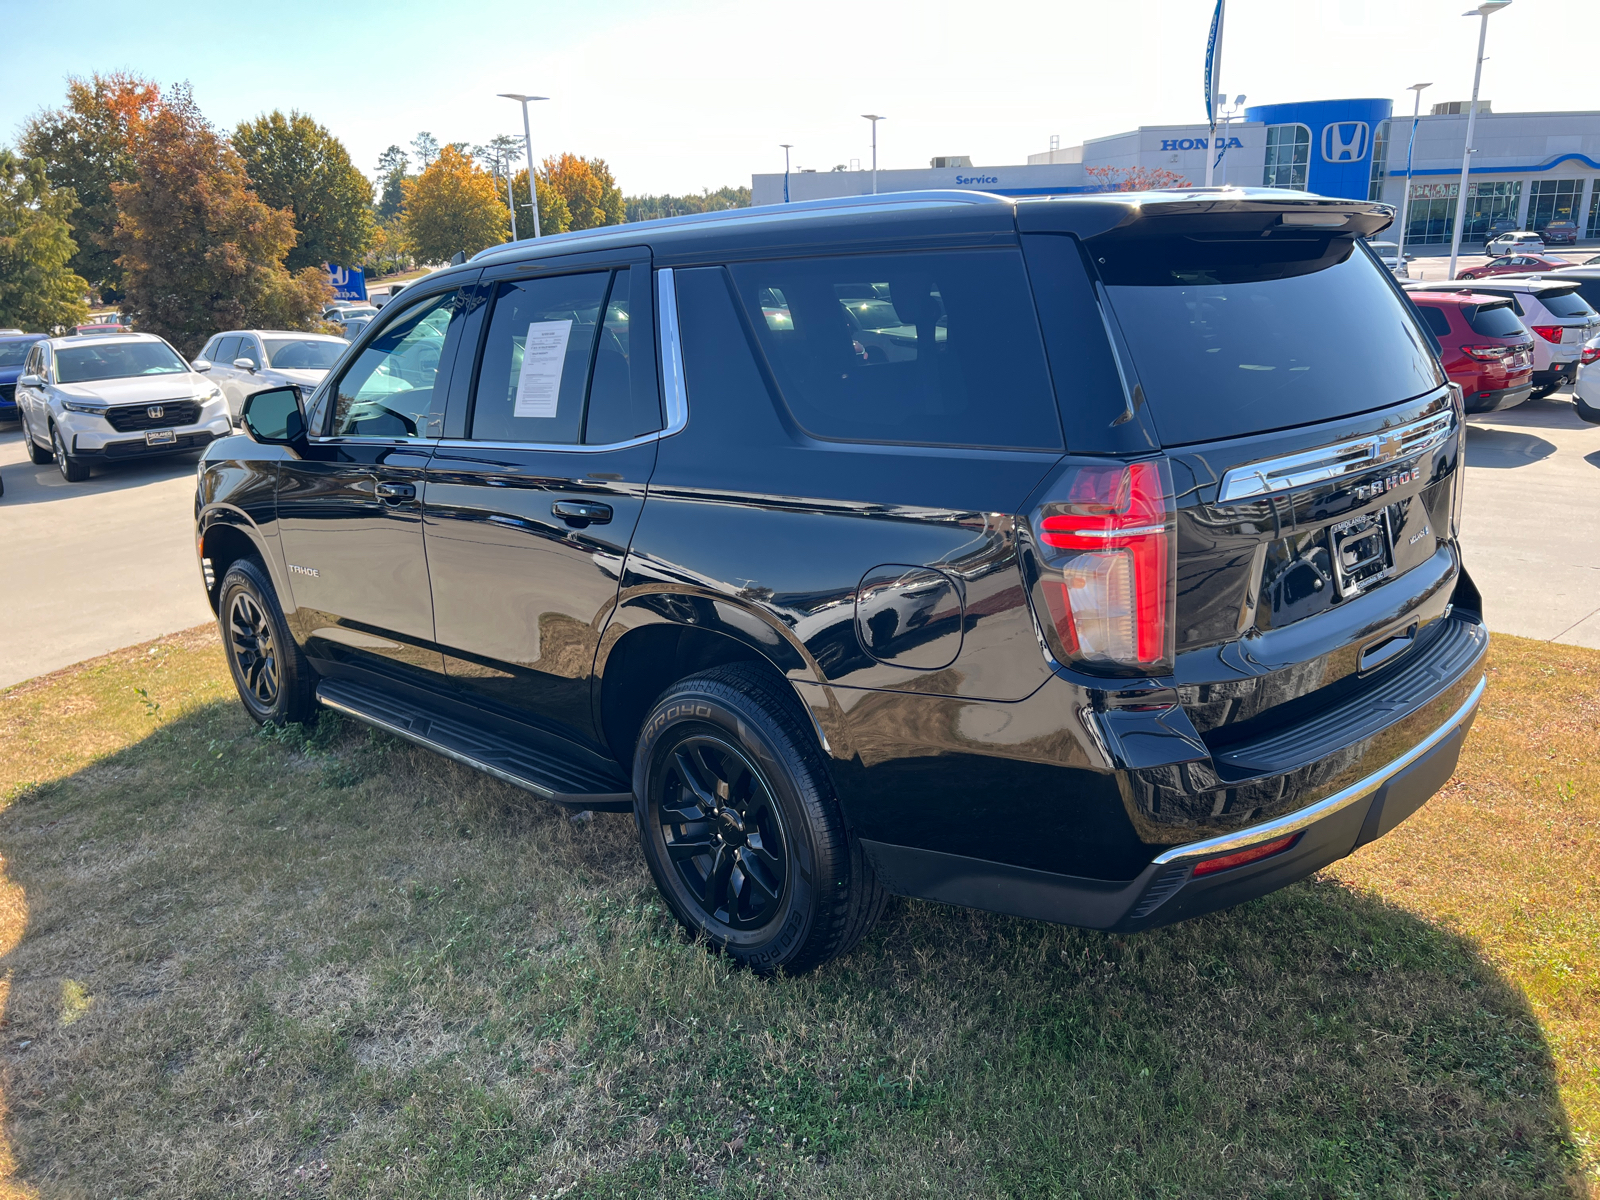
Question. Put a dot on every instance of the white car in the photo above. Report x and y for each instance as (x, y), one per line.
(102, 398)
(1554, 311)
(1519, 241)
(1586, 392)
(245, 361)
(1389, 255)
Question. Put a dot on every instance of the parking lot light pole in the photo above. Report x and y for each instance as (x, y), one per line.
(527, 144)
(1483, 11)
(1405, 200)
(787, 146)
(874, 118)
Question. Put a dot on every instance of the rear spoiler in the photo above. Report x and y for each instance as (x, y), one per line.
(1215, 211)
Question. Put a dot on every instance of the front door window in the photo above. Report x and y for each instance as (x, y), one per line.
(389, 391)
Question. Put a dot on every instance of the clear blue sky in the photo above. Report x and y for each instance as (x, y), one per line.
(680, 96)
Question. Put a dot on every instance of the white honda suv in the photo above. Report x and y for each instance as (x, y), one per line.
(109, 398)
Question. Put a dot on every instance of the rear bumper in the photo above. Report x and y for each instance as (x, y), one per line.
(1558, 372)
(1497, 400)
(1168, 890)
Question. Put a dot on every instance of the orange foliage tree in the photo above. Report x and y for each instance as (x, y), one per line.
(452, 207)
(586, 185)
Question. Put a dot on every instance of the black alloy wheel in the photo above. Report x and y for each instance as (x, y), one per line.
(274, 680)
(253, 649)
(722, 830)
(740, 826)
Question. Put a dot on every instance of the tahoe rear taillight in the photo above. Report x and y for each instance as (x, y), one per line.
(1107, 565)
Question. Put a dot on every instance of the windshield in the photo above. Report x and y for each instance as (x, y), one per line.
(116, 360)
(1235, 337)
(12, 353)
(302, 354)
(1385, 249)
(1567, 304)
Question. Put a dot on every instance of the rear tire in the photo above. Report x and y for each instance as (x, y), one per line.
(741, 828)
(73, 470)
(275, 682)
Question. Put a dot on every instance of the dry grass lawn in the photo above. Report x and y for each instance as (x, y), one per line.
(247, 964)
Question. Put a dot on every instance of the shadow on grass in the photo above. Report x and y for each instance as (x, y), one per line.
(336, 965)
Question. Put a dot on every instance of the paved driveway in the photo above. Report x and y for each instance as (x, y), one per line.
(90, 567)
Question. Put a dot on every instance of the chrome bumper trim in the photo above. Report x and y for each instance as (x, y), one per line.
(1304, 818)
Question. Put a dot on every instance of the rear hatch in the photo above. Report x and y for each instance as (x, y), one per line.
(1315, 452)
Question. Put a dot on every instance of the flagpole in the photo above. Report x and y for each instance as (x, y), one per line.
(1213, 83)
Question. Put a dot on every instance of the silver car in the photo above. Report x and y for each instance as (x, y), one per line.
(245, 361)
(102, 398)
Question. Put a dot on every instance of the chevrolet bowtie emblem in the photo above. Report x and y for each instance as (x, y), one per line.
(1389, 446)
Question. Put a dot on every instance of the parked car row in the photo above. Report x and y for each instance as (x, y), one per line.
(242, 361)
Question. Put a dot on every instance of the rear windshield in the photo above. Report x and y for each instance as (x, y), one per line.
(117, 360)
(1567, 304)
(1496, 321)
(12, 353)
(302, 354)
(1236, 337)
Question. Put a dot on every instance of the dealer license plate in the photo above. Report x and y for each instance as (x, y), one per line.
(160, 437)
(1363, 552)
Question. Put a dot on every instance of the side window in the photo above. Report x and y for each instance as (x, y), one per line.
(247, 349)
(227, 349)
(1516, 305)
(1437, 321)
(622, 400)
(937, 348)
(30, 365)
(534, 375)
(388, 391)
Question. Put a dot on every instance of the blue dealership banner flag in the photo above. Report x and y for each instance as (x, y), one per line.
(1213, 65)
(348, 283)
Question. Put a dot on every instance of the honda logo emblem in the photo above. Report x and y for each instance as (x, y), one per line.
(155, 412)
(1345, 141)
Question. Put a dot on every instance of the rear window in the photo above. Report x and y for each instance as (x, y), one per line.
(303, 354)
(1436, 319)
(937, 348)
(1566, 304)
(1495, 321)
(1244, 336)
(12, 353)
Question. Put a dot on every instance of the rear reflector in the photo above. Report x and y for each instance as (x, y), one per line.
(1255, 854)
(1107, 565)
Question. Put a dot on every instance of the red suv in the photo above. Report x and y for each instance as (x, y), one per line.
(1484, 345)
(1515, 264)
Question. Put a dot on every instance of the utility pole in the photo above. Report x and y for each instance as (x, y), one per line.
(1405, 200)
(787, 146)
(527, 142)
(874, 118)
(1484, 11)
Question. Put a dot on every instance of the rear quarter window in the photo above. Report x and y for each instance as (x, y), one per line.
(930, 348)
(1437, 319)
(1232, 337)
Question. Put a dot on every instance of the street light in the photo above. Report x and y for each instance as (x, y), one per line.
(787, 146)
(1227, 122)
(527, 144)
(875, 118)
(1485, 11)
(1405, 201)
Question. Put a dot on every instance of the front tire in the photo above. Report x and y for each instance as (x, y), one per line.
(740, 826)
(275, 682)
(73, 470)
(37, 454)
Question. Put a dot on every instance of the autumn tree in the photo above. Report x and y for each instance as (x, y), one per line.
(554, 216)
(392, 165)
(198, 249)
(38, 288)
(648, 208)
(85, 148)
(452, 208)
(1134, 179)
(295, 163)
(585, 184)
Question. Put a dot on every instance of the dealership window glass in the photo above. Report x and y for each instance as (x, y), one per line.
(1231, 338)
(1594, 212)
(930, 348)
(1288, 156)
(1490, 202)
(1380, 161)
(535, 373)
(389, 390)
(1552, 200)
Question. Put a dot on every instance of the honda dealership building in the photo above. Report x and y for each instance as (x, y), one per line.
(1528, 168)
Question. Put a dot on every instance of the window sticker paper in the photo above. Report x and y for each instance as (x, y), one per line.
(544, 354)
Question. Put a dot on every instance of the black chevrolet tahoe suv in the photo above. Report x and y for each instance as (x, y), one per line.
(1091, 559)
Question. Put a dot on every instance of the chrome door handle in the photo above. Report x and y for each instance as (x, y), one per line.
(397, 491)
(579, 513)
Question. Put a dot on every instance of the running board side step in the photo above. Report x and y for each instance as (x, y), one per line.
(538, 768)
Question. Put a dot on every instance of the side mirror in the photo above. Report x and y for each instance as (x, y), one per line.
(245, 364)
(31, 381)
(200, 364)
(274, 418)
